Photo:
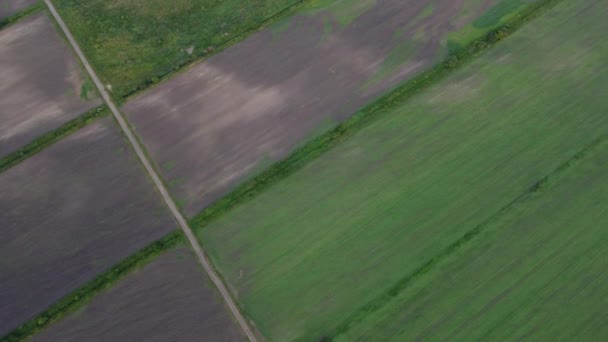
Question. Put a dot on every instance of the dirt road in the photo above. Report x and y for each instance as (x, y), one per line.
(155, 178)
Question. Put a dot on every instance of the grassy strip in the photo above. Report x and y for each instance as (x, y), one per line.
(43, 141)
(83, 295)
(405, 282)
(20, 15)
(324, 142)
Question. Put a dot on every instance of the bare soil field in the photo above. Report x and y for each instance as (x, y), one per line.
(215, 125)
(42, 84)
(69, 213)
(10, 7)
(167, 300)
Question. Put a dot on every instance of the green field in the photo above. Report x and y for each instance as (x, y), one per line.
(134, 43)
(537, 272)
(333, 243)
(502, 11)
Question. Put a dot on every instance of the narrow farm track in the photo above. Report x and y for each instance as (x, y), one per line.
(202, 257)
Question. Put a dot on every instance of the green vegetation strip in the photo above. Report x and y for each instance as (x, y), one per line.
(83, 295)
(533, 191)
(20, 15)
(50, 138)
(326, 141)
(135, 44)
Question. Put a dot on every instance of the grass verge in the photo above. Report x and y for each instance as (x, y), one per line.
(83, 295)
(324, 142)
(20, 15)
(42, 142)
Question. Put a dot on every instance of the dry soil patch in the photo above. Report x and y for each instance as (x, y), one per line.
(42, 84)
(167, 300)
(69, 213)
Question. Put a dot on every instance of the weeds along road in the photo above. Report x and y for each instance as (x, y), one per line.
(155, 178)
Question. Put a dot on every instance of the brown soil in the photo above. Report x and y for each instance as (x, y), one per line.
(167, 300)
(10, 7)
(41, 82)
(69, 213)
(223, 120)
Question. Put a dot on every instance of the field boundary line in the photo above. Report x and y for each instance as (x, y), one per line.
(47, 139)
(103, 281)
(135, 145)
(535, 189)
(13, 19)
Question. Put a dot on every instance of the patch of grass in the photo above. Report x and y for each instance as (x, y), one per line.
(502, 13)
(427, 12)
(180, 203)
(168, 165)
(20, 15)
(51, 137)
(133, 44)
(343, 229)
(327, 29)
(532, 258)
(175, 182)
(86, 88)
(397, 57)
(83, 295)
(424, 14)
(495, 14)
(358, 321)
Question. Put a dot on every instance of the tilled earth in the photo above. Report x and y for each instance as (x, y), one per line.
(218, 123)
(167, 300)
(11, 7)
(42, 83)
(68, 214)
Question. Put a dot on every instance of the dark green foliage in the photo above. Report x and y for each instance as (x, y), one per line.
(50, 138)
(84, 294)
(495, 14)
(453, 47)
